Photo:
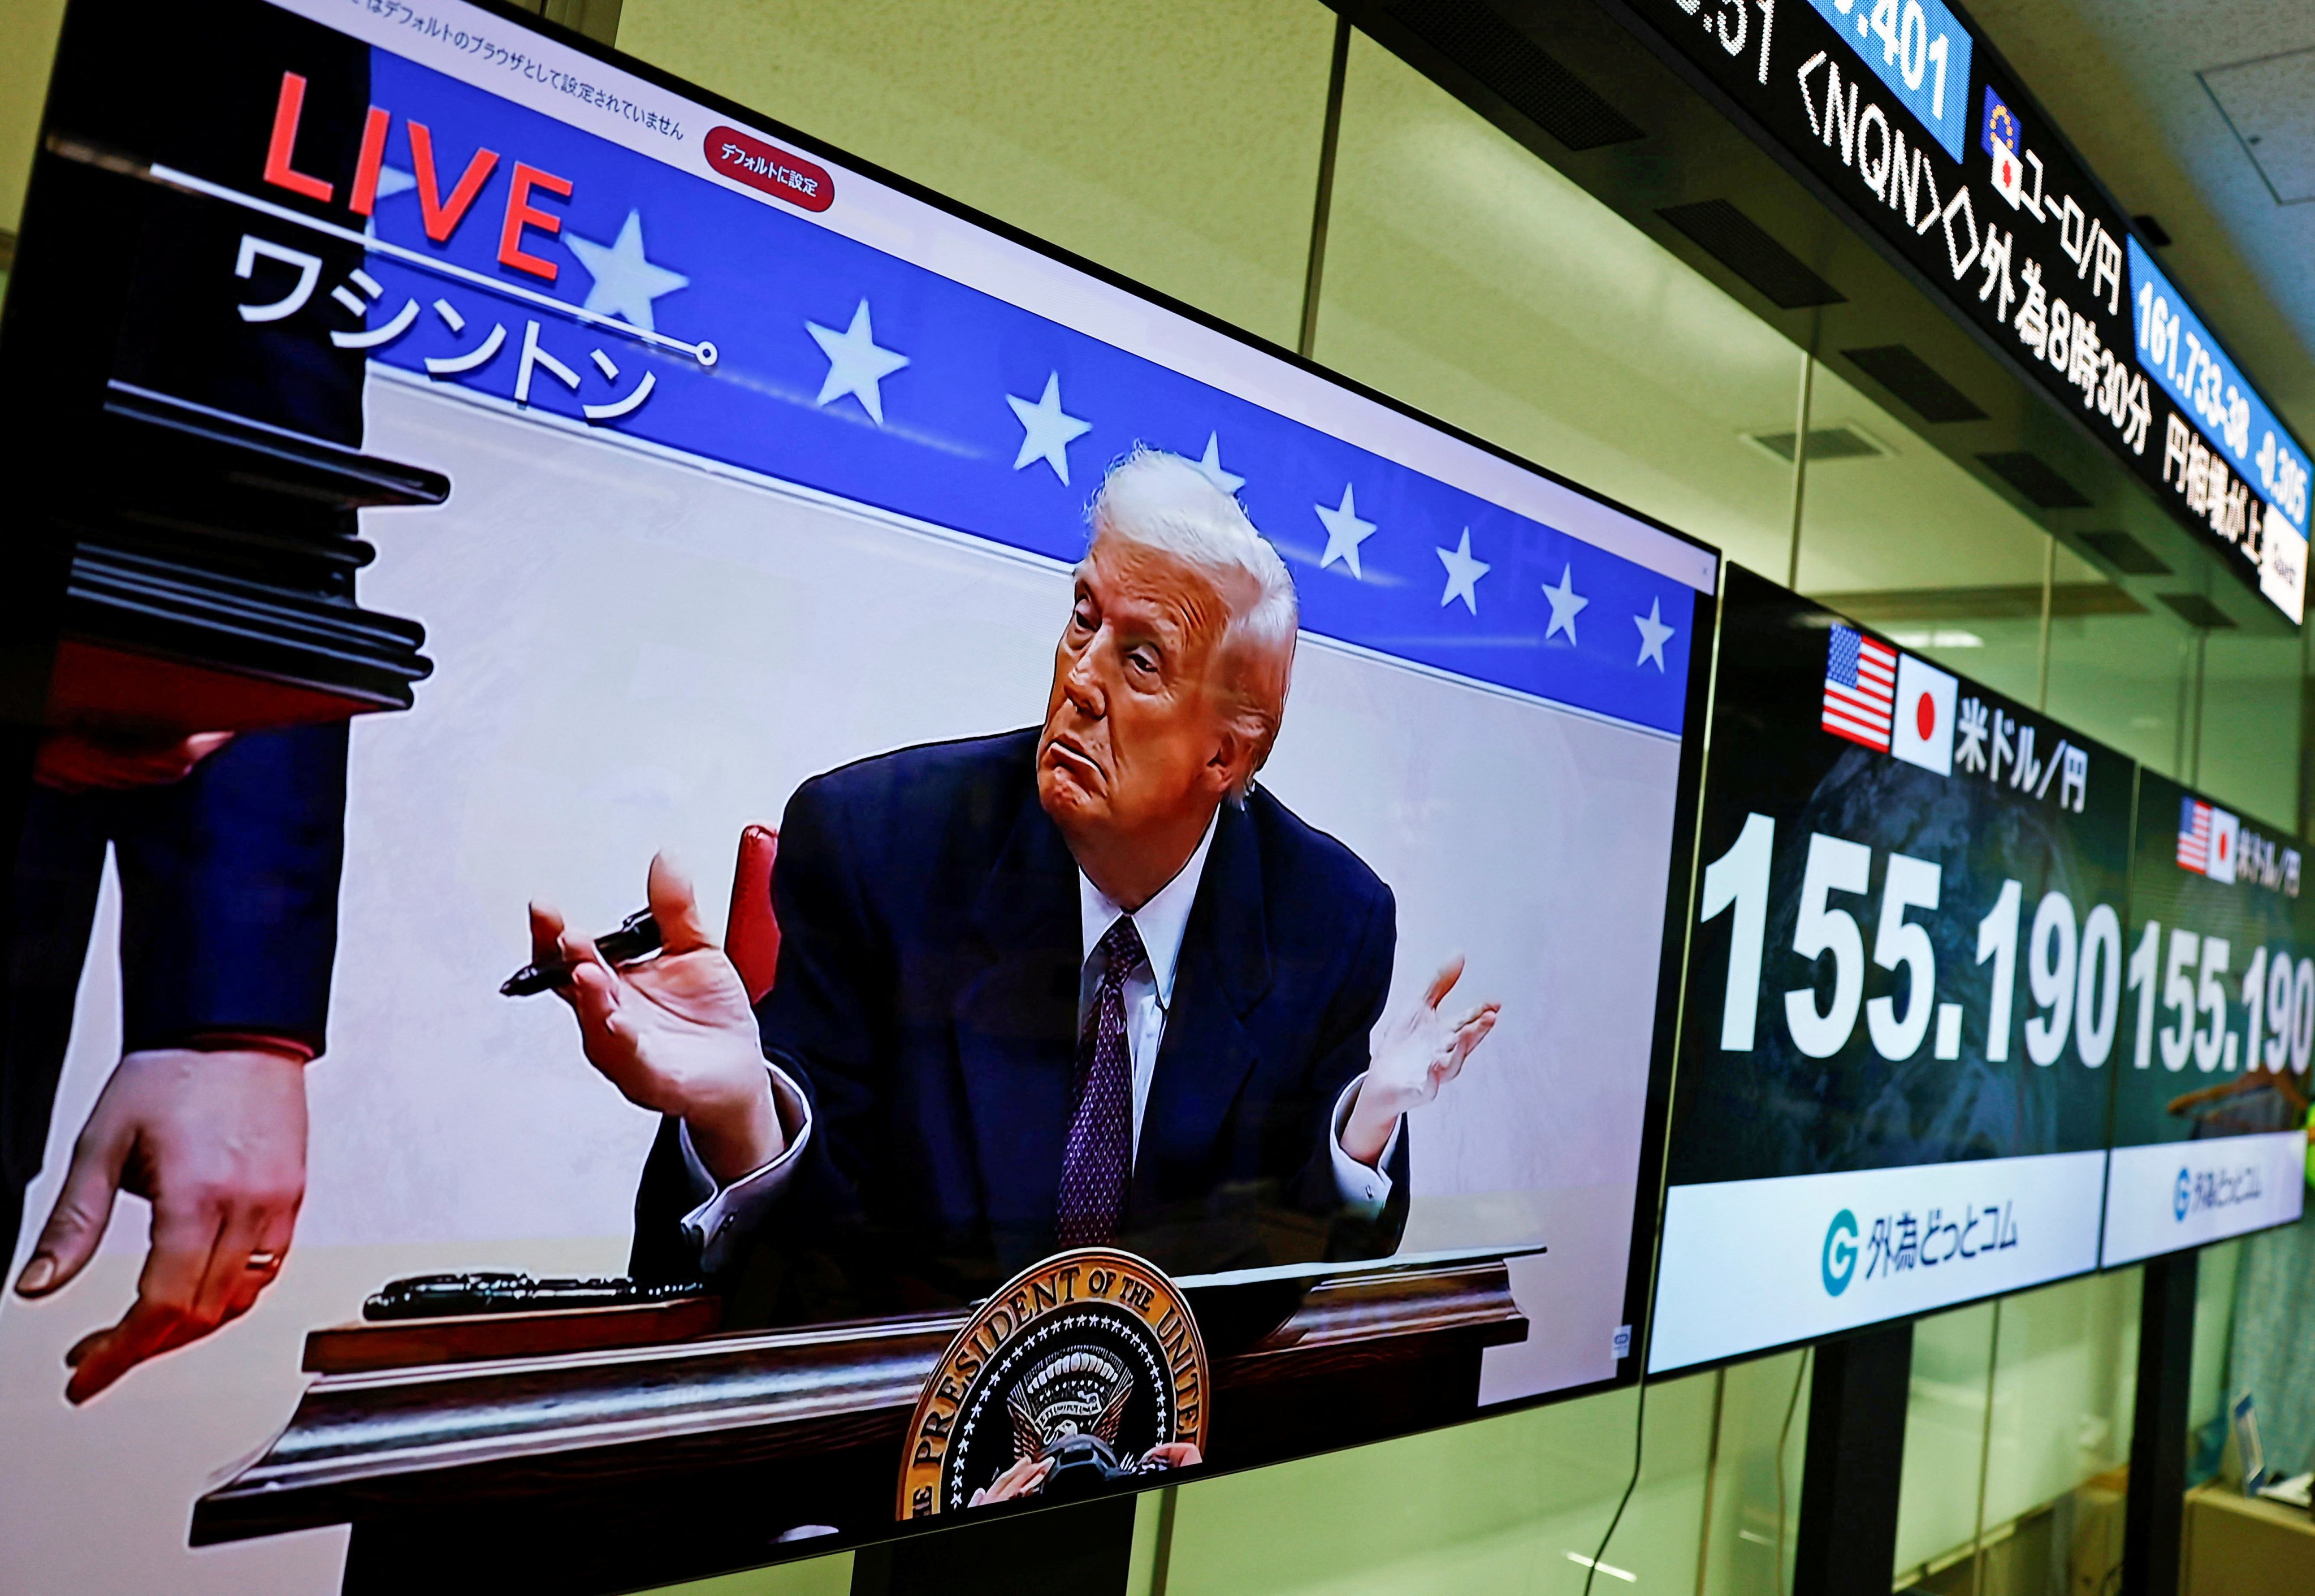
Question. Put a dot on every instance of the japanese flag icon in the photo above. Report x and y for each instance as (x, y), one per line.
(2226, 834)
(1923, 731)
(2009, 176)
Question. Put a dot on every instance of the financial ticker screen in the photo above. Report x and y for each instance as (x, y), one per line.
(1906, 992)
(2209, 1089)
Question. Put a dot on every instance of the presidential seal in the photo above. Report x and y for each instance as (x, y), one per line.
(1083, 1371)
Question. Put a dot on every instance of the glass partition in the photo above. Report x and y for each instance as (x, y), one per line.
(1896, 534)
(1754, 1481)
(1470, 279)
(1506, 1506)
(1943, 1493)
(2055, 1480)
(2124, 671)
(2249, 727)
(2210, 1389)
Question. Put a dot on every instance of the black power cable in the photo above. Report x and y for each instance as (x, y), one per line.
(1784, 1440)
(1639, 1434)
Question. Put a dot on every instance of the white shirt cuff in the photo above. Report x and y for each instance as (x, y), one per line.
(727, 1215)
(1364, 1190)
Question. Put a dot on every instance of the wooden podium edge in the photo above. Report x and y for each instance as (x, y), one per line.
(370, 1346)
(398, 1439)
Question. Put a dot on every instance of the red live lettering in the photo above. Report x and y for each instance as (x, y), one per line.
(441, 219)
(364, 197)
(520, 214)
(287, 110)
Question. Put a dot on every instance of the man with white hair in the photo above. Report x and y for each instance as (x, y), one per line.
(1078, 984)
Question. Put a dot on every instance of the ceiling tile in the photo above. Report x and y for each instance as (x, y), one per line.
(2271, 103)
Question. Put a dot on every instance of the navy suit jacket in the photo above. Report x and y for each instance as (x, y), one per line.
(228, 917)
(926, 1002)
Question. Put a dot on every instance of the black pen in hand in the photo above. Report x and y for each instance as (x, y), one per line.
(637, 935)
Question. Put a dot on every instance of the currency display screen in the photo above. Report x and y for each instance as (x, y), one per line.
(716, 858)
(1905, 994)
(2210, 1087)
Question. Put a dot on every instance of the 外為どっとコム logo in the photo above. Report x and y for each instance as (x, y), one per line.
(1838, 1264)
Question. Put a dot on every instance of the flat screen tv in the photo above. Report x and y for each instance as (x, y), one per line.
(728, 861)
(2210, 1084)
(1904, 998)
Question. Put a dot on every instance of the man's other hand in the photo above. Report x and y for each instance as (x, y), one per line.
(673, 1031)
(1024, 1477)
(216, 1142)
(78, 762)
(1415, 1055)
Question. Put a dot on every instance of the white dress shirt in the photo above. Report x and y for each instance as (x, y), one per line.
(726, 1214)
(1149, 991)
(1149, 994)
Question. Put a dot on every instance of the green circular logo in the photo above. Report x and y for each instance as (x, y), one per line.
(1839, 1264)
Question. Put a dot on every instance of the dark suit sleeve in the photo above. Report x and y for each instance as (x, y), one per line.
(229, 892)
(1343, 1058)
(826, 1019)
(59, 868)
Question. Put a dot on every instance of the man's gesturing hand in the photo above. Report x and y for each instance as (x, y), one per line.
(1415, 1054)
(217, 1142)
(674, 1031)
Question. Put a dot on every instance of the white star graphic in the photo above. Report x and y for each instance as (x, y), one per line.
(1565, 605)
(855, 365)
(1345, 533)
(1046, 432)
(391, 181)
(1463, 574)
(625, 283)
(1654, 633)
(1211, 465)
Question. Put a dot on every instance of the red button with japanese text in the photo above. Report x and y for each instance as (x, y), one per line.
(767, 166)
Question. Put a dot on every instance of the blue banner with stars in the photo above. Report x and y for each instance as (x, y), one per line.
(580, 278)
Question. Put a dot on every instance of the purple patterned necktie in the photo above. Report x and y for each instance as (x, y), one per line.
(1097, 1165)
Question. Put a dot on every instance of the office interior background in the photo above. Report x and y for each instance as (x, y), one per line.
(1431, 221)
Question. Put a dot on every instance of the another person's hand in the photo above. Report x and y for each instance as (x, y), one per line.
(216, 1142)
(1416, 1054)
(1173, 1454)
(673, 1031)
(1024, 1477)
(79, 762)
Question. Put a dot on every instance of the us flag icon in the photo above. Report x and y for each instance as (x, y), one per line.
(2206, 839)
(1860, 688)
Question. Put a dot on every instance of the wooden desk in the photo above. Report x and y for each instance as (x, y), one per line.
(2240, 1545)
(615, 1467)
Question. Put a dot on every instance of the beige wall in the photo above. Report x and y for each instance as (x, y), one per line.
(1177, 145)
(28, 43)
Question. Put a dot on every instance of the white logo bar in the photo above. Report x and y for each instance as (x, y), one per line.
(1749, 1264)
(2180, 1194)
